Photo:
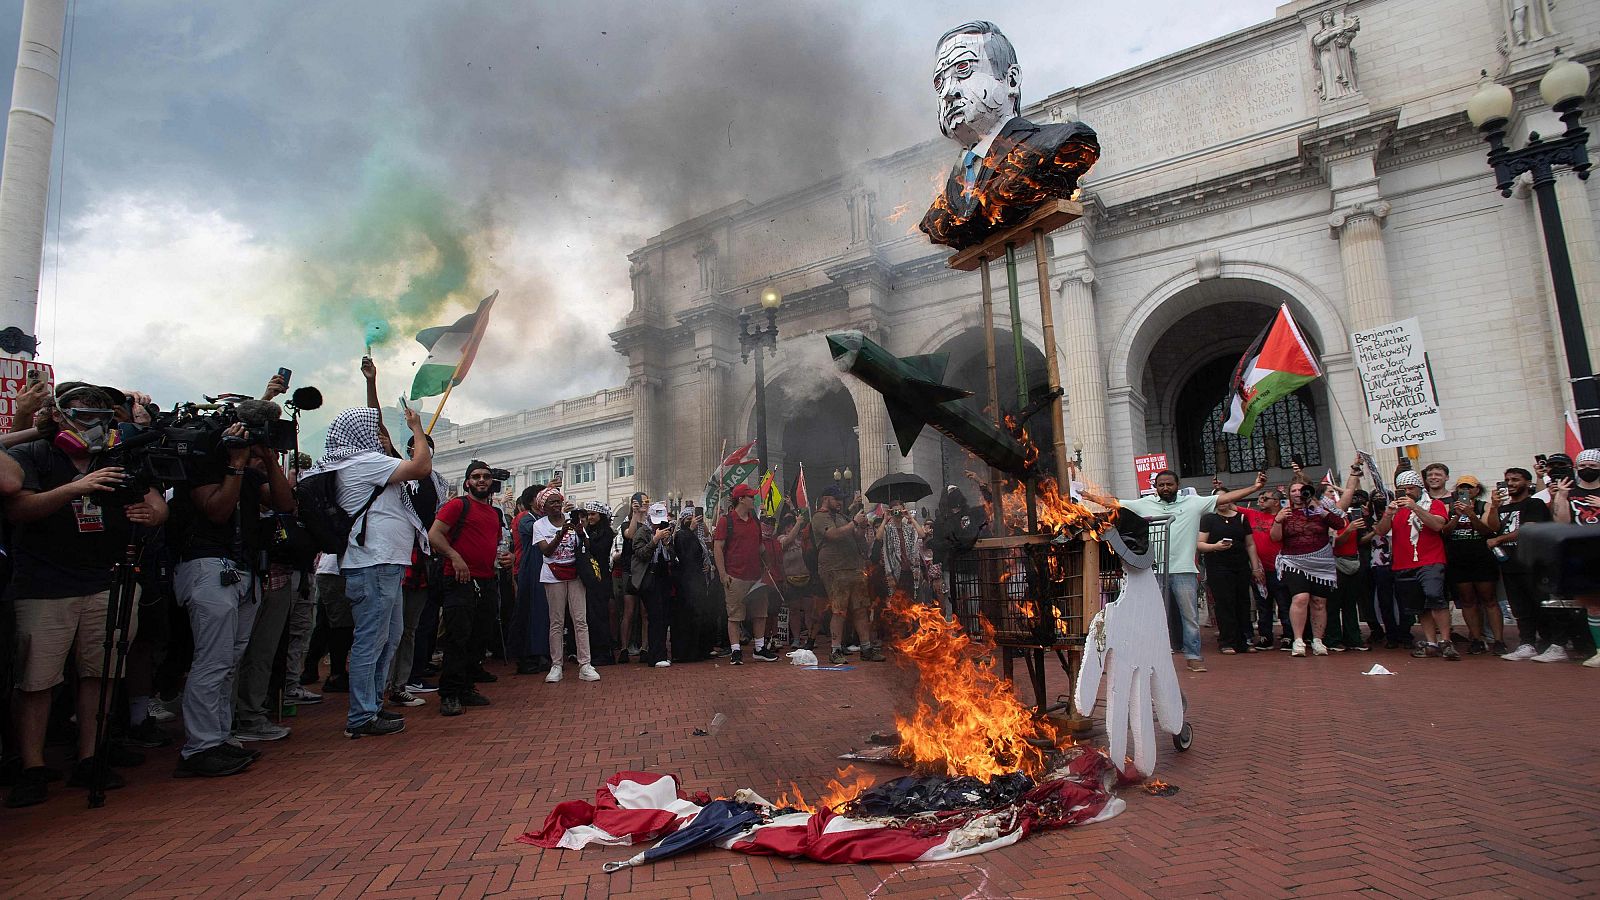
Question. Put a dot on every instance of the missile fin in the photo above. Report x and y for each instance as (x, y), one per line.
(929, 366)
(907, 424)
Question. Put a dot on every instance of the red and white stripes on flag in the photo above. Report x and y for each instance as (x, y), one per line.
(634, 807)
(1572, 440)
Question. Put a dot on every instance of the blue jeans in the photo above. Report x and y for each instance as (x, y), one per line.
(375, 603)
(1185, 589)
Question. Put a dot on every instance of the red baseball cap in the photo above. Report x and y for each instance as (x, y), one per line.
(741, 491)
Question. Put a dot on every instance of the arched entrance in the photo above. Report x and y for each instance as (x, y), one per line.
(1171, 368)
(811, 420)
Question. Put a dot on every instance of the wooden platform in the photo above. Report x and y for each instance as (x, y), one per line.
(1047, 218)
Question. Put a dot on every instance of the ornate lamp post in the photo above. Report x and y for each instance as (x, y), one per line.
(1563, 87)
(762, 340)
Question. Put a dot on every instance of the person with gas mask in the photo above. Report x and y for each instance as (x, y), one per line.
(466, 532)
(220, 543)
(65, 543)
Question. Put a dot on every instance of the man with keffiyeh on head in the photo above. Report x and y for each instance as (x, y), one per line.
(375, 560)
(1416, 521)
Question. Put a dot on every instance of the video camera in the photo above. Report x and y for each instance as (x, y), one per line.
(163, 453)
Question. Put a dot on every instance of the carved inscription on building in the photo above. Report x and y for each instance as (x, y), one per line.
(1224, 103)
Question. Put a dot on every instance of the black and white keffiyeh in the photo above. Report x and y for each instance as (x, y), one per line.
(352, 435)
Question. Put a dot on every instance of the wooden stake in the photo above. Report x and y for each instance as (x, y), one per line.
(999, 523)
(1052, 364)
(447, 389)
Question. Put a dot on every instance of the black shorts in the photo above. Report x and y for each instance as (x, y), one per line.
(1295, 583)
(1421, 588)
(1469, 562)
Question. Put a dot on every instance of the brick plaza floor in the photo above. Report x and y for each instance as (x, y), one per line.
(1480, 777)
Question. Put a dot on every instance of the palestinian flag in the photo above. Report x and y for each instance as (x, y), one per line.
(737, 467)
(1571, 442)
(802, 500)
(1276, 365)
(451, 349)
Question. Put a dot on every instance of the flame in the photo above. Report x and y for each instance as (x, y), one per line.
(1021, 180)
(846, 786)
(968, 719)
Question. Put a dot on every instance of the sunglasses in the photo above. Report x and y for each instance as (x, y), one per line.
(88, 414)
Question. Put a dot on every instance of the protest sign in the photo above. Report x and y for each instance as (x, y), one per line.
(13, 379)
(1145, 469)
(1402, 405)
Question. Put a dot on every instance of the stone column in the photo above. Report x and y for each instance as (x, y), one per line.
(713, 375)
(1368, 295)
(872, 433)
(647, 455)
(1125, 411)
(1083, 375)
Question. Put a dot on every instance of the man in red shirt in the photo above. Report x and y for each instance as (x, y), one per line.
(1416, 521)
(1270, 596)
(466, 532)
(740, 552)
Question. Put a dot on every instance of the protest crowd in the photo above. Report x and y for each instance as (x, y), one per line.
(260, 583)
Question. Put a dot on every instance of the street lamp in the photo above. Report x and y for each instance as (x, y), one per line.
(1490, 109)
(762, 340)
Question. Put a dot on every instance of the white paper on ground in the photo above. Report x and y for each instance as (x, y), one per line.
(1377, 670)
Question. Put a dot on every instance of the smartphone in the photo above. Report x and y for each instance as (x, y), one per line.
(1295, 462)
(35, 376)
(403, 405)
(284, 374)
(1540, 458)
(699, 510)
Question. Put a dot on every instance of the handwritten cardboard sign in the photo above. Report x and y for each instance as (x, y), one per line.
(1402, 405)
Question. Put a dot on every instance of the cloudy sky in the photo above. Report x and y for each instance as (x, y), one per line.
(244, 186)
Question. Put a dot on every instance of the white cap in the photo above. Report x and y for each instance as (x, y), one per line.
(658, 513)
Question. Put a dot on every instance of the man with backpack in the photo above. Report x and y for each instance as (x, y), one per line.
(355, 503)
(740, 552)
(466, 533)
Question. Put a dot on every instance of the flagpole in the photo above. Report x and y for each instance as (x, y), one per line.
(447, 389)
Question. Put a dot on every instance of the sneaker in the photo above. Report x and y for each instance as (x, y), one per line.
(1298, 649)
(83, 772)
(1526, 651)
(1553, 654)
(148, 734)
(718, 651)
(1287, 644)
(1422, 650)
(873, 654)
(524, 668)
(853, 648)
(422, 687)
(472, 698)
(376, 726)
(1228, 651)
(1592, 662)
(230, 748)
(1498, 648)
(484, 676)
(336, 684)
(450, 706)
(736, 658)
(388, 716)
(405, 698)
(163, 710)
(766, 654)
(300, 696)
(838, 657)
(1448, 651)
(664, 664)
(553, 676)
(1335, 648)
(1361, 648)
(1318, 648)
(1264, 643)
(31, 789)
(261, 731)
(1477, 648)
(588, 673)
(1194, 665)
(212, 763)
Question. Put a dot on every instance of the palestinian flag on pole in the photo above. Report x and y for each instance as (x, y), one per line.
(1276, 365)
(733, 470)
(800, 499)
(1571, 441)
(451, 349)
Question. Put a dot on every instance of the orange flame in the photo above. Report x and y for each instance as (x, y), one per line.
(968, 719)
(846, 786)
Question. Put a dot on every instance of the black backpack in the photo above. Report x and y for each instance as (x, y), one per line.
(317, 496)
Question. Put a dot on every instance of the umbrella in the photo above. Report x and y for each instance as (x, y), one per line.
(901, 486)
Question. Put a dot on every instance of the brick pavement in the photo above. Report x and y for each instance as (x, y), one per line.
(1306, 779)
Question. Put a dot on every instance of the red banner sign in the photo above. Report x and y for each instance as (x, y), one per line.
(1145, 469)
(13, 379)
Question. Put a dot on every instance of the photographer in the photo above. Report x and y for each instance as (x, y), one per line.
(220, 545)
(652, 565)
(64, 548)
(466, 532)
(371, 487)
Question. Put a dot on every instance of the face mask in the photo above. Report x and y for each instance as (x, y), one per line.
(1588, 474)
(79, 444)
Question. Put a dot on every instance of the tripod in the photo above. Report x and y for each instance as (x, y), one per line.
(119, 616)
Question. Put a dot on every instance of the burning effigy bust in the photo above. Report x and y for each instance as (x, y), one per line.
(1009, 165)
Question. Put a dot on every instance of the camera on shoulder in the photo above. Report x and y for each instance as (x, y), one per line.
(179, 443)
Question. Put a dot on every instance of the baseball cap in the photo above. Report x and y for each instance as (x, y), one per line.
(658, 513)
(1559, 460)
(741, 491)
(833, 490)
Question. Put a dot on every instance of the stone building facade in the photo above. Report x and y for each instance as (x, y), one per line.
(1321, 160)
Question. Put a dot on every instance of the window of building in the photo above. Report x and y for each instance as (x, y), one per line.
(1283, 430)
(625, 466)
(541, 476)
(582, 473)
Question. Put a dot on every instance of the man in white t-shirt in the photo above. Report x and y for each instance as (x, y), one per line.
(1183, 534)
(375, 560)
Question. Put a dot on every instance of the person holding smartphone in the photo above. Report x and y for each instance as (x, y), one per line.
(1471, 570)
(1232, 565)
